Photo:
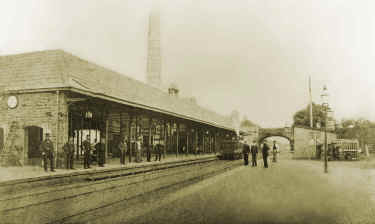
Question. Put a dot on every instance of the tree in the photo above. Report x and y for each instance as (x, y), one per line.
(360, 129)
(302, 117)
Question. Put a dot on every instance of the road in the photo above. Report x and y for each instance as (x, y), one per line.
(288, 192)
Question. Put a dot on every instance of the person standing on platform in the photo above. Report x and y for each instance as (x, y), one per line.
(246, 151)
(254, 153)
(265, 150)
(158, 148)
(123, 147)
(69, 152)
(138, 148)
(86, 152)
(100, 150)
(275, 151)
(48, 154)
(183, 150)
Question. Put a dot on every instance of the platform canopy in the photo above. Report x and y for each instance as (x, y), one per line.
(59, 70)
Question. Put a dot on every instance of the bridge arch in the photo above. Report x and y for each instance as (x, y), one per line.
(260, 140)
(286, 133)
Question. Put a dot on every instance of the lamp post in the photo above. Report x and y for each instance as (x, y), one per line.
(325, 108)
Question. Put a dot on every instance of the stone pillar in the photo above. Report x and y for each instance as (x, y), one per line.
(106, 138)
(165, 138)
(178, 138)
(203, 142)
(130, 137)
(197, 138)
(170, 136)
(187, 133)
(149, 135)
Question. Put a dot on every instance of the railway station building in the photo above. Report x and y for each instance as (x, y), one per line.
(58, 93)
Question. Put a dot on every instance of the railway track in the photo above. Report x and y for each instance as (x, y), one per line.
(61, 201)
(17, 186)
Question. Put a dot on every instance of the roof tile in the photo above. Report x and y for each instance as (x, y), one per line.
(57, 68)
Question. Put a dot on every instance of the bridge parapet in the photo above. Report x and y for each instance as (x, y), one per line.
(280, 132)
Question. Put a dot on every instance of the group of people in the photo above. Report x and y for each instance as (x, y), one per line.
(48, 154)
(156, 148)
(253, 150)
(96, 152)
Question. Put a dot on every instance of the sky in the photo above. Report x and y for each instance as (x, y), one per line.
(253, 56)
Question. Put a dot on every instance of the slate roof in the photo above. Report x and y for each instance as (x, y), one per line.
(53, 69)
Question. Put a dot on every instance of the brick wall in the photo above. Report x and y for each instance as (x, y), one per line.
(302, 141)
(34, 109)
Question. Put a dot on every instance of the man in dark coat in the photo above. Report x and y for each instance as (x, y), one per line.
(246, 151)
(69, 152)
(254, 153)
(158, 148)
(123, 147)
(86, 145)
(265, 150)
(46, 147)
(100, 150)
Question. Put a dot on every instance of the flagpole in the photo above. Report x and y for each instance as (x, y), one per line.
(314, 137)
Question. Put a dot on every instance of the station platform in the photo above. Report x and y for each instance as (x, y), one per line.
(26, 172)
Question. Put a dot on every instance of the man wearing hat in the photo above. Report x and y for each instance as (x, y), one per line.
(100, 150)
(158, 148)
(254, 153)
(265, 150)
(46, 147)
(69, 152)
(123, 148)
(246, 151)
(86, 145)
(275, 151)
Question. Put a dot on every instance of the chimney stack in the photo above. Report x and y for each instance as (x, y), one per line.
(173, 90)
(153, 77)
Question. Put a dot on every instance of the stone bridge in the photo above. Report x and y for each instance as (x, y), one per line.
(302, 140)
(286, 132)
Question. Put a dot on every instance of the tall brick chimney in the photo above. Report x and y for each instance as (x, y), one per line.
(153, 77)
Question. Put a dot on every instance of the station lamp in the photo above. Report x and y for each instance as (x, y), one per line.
(325, 107)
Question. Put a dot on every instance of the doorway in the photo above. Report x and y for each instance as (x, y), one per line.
(34, 137)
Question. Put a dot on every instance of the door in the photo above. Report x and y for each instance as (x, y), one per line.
(34, 139)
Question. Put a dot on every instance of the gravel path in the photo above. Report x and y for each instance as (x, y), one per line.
(288, 192)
